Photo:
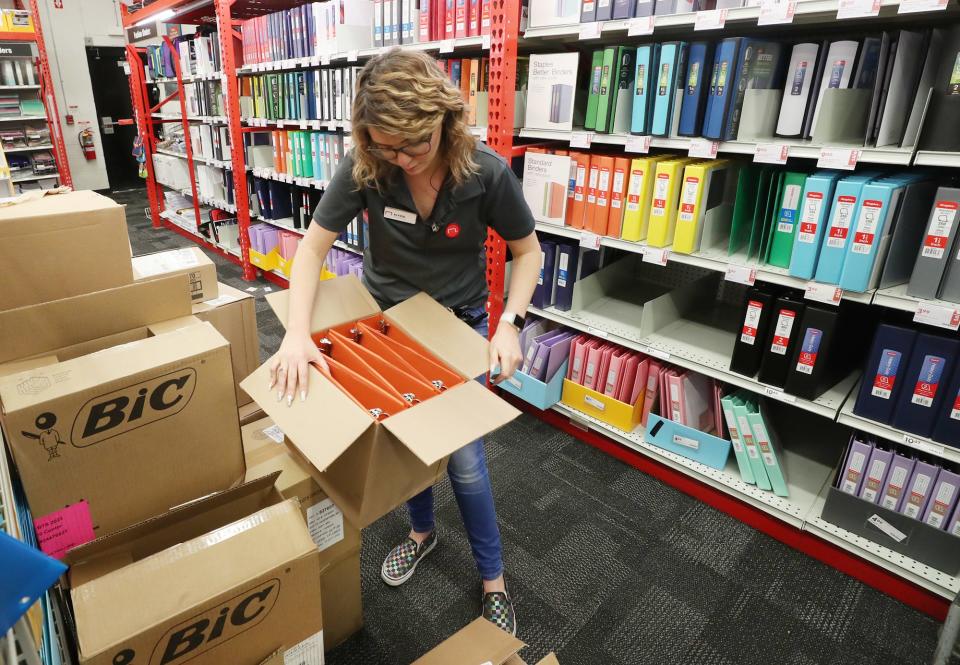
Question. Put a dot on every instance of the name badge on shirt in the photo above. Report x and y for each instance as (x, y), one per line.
(400, 215)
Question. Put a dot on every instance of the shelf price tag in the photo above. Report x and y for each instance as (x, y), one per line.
(656, 255)
(638, 27)
(773, 12)
(741, 274)
(638, 144)
(858, 8)
(581, 139)
(590, 30)
(771, 153)
(920, 444)
(776, 393)
(887, 528)
(915, 6)
(703, 148)
(825, 293)
(446, 46)
(711, 19)
(839, 158)
(353, 55)
(589, 240)
(325, 59)
(597, 332)
(942, 316)
(657, 353)
(485, 42)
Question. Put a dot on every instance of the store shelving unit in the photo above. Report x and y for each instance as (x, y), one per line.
(686, 343)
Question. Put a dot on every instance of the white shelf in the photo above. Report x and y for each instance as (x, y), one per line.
(344, 246)
(217, 76)
(700, 347)
(805, 473)
(214, 119)
(897, 298)
(715, 260)
(19, 87)
(23, 118)
(33, 178)
(185, 223)
(197, 158)
(937, 158)
(286, 224)
(920, 574)
(206, 200)
(32, 148)
(808, 11)
(802, 149)
(319, 125)
(270, 174)
(350, 57)
(849, 418)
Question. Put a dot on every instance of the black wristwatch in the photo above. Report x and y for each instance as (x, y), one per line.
(512, 319)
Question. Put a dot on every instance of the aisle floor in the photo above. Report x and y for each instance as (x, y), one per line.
(607, 565)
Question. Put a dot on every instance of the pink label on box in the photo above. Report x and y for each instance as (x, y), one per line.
(59, 531)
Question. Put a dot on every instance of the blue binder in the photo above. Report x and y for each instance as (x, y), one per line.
(722, 87)
(543, 294)
(925, 386)
(280, 206)
(814, 209)
(27, 574)
(758, 66)
(947, 427)
(647, 56)
(875, 211)
(885, 372)
(693, 104)
(833, 248)
(567, 256)
(668, 67)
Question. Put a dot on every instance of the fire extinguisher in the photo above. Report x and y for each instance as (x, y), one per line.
(86, 143)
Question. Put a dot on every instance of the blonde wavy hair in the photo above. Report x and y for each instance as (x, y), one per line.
(406, 94)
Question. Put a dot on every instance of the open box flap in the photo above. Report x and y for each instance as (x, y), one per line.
(437, 427)
(438, 330)
(180, 523)
(35, 329)
(338, 301)
(478, 643)
(323, 426)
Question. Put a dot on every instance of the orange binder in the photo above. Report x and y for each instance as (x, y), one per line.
(577, 205)
(618, 194)
(465, 84)
(379, 403)
(593, 176)
(604, 183)
(277, 150)
(393, 374)
(411, 352)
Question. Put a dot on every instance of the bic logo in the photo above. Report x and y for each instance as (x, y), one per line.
(127, 409)
(209, 629)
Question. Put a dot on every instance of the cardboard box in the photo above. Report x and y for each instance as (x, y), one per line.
(250, 413)
(341, 598)
(370, 466)
(189, 261)
(234, 314)
(104, 440)
(230, 578)
(62, 245)
(479, 642)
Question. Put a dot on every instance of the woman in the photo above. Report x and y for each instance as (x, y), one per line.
(430, 192)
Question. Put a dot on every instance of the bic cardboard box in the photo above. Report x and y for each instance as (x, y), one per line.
(234, 314)
(370, 463)
(337, 541)
(107, 439)
(229, 578)
(480, 643)
(189, 261)
(62, 245)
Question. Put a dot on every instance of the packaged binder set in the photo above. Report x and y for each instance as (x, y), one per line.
(912, 382)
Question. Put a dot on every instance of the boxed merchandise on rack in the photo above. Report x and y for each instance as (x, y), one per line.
(124, 384)
(385, 444)
(230, 577)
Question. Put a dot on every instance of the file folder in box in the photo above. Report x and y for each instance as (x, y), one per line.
(687, 442)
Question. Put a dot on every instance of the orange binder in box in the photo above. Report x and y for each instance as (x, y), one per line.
(365, 392)
(405, 383)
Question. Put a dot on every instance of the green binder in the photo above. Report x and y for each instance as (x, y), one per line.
(744, 208)
(770, 218)
(306, 154)
(759, 213)
(743, 407)
(609, 76)
(788, 218)
(596, 70)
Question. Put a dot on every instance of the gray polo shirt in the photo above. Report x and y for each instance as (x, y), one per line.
(442, 255)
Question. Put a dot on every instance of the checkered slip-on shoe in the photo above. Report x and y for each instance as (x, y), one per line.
(402, 561)
(498, 610)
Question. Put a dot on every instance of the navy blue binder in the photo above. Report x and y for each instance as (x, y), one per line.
(885, 373)
(925, 386)
(279, 200)
(946, 429)
(721, 87)
(543, 294)
(695, 88)
(567, 256)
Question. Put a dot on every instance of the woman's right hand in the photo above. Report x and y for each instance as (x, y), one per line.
(288, 368)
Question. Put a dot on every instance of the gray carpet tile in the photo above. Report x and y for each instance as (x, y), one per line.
(606, 564)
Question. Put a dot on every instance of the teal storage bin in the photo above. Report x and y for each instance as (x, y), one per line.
(687, 441)
(541, 395)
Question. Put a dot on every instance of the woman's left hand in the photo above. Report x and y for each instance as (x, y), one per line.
(505, 352)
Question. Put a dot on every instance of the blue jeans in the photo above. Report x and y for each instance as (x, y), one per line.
(471, 485)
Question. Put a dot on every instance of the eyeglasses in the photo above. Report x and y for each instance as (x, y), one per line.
(417, 149)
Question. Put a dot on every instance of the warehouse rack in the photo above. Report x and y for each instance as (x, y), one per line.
(796, 521)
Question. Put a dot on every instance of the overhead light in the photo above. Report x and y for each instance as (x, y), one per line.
(162, 16)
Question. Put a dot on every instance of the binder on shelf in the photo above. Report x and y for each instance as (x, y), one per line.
(898, 478)
(771, 452)
(943, 498)
(785, 227)
(703, 218)
(818, 361)
(543, 293)
(639, 192)
(742, 408)
(937, 251)
(593, 96)
(623, 9)
(748, 347)
(736, 441)
(621, 167)
(759, 68)
(695, 89)
(588, 11)
(855, 467)
(884, 377)
(664, 201)
(644, 92)
(781, 342)
(875, 477)
(576, 213)
(834, 246)
(839, 63)
(721, 87)
(609, 84)
(622, 108)
(931, 365)
(668, 83)
(744, 207)
(796, 94)
(567, 256)
(946, 429)
(918, 491)
(815, 202)
(604, 10)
